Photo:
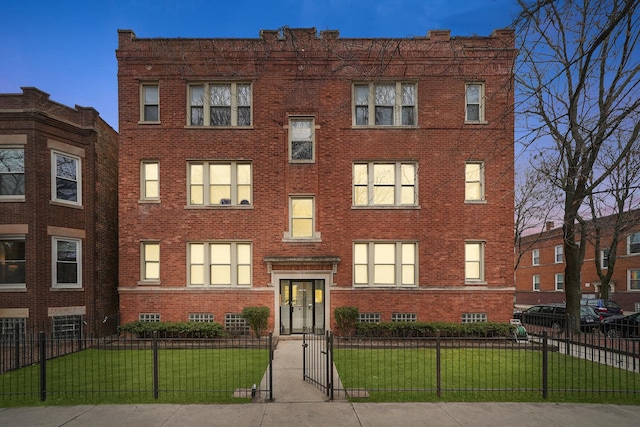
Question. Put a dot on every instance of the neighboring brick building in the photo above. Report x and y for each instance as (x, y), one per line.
(58, 217)
(304, 171)
(540, 272)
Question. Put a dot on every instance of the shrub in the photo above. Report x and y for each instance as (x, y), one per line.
(174, 329)
(346, 319)
(431, 329)
(257, 318)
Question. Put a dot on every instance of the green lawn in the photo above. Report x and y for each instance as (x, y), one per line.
(96, 376)
(481, 375)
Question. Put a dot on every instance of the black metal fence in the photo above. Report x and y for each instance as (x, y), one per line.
(123, 369)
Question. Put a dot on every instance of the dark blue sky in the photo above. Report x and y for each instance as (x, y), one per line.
(67, 48)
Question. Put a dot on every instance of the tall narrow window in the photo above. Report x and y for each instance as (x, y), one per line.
(12, 261)
(474, 102)
(302, 224)
(384, 184)
(474, 261)
(150, 261)
(558, 252)
(633, 243)
(559, 282)
(536, 282)
(474, 188)
(150, 103)
(67, 256)
(11, 173)
(604, 258)
(301, 140)
(535, 257)
(67, 184)
(150, 180)
(634, 280)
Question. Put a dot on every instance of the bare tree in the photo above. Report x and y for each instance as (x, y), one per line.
(578, 82)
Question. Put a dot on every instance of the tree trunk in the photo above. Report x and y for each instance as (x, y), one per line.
(573, 265)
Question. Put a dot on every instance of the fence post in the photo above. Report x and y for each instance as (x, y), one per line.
(16, 336)
(270, 365)
(156, 375)
(329, 365)
(438, 373)
(304, 356)
(545, 366)
(42, 350)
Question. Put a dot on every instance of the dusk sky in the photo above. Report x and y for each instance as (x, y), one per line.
(67, 48)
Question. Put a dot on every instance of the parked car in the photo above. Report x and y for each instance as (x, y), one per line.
(621, 326)
(605, 307)
(555, 316)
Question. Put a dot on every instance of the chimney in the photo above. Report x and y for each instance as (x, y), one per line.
(549, 225)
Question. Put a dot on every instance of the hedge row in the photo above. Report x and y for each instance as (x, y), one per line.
(174, 329)
(431, 329)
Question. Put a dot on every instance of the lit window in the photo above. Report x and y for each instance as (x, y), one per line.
(559, 282)
(301, 140)
(67, 184)
(474, 317)
(474, 261)
(634, 280)
(150, 174)
(219, 264)
(302, 222)
(219, 184)
(67, 256)
(150, 104)
(385, 104)
(535, 257)
(558, 250)
(633, 243)
(229, 104)
(12, 262)
(150, 261)
(384, 184)
(474, 102)
(404, 317)
(474, 177)
(385, 264)
(536, 282)
(11, 173)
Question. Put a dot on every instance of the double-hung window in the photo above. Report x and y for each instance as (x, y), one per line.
(474, 181)
(67, 262)
(11, 173)
(535, 257)
(301, 140)
(219, 184)
(474, 99)
(302, 219)
(634, 280)
(149, 103)
(384, 184)
(150, 180)
(536, 282)
(633, 243)
(219, 264)
(385, 104)
(604, 258)
(12, 262)
(385, 264)
(558, 251)
(67, 178)
(220, 104)
(150, 261)
(474, 261)
(559, 282)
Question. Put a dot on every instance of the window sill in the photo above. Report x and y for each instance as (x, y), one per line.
(370, 127)
(66, 204)
(288, 239)
(13, 288)
(149, 201)
(302, 162)
(9, 199)
(205, 207)
(219, 127)
(142, 122)
(475, 282)
(149, 283)
(476, 122)
(475, 202)
(387, 207)
(59, 288)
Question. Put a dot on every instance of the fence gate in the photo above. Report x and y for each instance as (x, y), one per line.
(317, 361)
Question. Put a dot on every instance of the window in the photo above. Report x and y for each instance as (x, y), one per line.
(634, 280)
(474, 185)
(385, 104)
(604, 258)
(558, 254)
(474, 261)
(150, 103)
(474, 95)
(536, 282)
(229, 104)
(11, 173)
(235, 324)
(385, 264)
(219, 264)
(369, 317)
(8, 326)
(474, 317)
(301, 140)
(384, 184)
(150, 177)
(150, 261)
(535, 257)
(67, 183)
(201, 317)
(404, 317)
(219, 184)
(559, 282)
(67, 256)
(301, 211)
(149, 317)
(12, 262)
(67, 327)
(633, 243)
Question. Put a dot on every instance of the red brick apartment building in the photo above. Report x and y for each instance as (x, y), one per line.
(540, 273)
(58, 217)
(303, 171)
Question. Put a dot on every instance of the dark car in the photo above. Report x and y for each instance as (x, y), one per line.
(621, 326)
(555, 316)
(605, 307)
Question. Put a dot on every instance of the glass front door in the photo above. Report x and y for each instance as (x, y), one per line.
(301, 306)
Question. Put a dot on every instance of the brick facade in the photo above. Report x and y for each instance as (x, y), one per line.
(300, 73)
(36, 127)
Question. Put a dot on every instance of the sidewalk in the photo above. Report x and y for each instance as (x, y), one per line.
(301, 404)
